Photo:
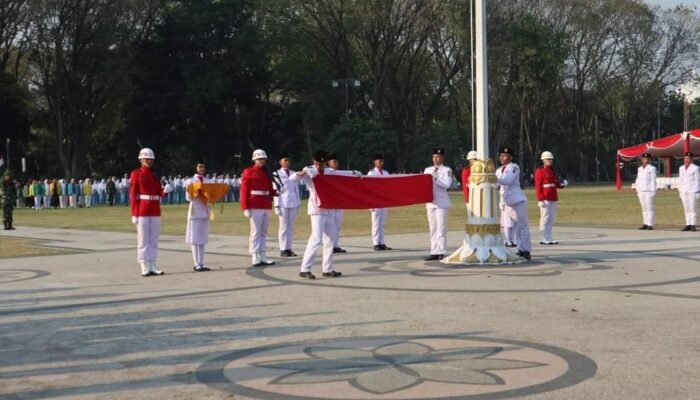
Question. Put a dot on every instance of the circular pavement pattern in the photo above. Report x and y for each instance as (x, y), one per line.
(397, 368)
(570, 271)
(16, 275)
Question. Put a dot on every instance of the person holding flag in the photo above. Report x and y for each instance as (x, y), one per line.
(198, 214)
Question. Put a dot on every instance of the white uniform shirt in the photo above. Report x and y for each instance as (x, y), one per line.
(646, 179)
(289, 197)
(377, 172)
(198, 209)
(689, 179)
(442, 180)
(307, 179)
(509, 178)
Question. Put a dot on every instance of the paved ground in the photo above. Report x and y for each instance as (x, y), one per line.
(608, 314)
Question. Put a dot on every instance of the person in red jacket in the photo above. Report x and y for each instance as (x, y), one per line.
(466, 173)
(145, 192)
(546, 184)
(256, 202)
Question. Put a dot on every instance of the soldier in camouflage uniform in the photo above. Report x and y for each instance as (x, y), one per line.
(8, 197)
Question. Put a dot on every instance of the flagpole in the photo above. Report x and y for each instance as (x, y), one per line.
(482, 96)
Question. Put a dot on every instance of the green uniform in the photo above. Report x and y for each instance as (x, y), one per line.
(8, 198)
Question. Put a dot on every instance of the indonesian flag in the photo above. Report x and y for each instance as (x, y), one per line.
(353, 193)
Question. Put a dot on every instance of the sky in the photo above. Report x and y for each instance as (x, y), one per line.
(673, 3)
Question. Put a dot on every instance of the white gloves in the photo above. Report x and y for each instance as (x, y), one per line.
(540, 204)
(357, 173)
(565, 183)
(246, 213)
(134, 220)
(278, 211)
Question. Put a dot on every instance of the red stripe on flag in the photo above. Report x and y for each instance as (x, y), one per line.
(350, 192)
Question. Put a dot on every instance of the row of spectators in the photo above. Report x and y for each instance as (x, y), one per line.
(61, 193)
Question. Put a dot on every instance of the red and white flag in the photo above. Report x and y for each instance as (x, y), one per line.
(353, 193)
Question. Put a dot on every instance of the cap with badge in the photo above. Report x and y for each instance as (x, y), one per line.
(378, 156)
(646, 155)
(505, 150)
(332, 157)
(283, 156)
(320, 156)
(688, 154)
(439, 151)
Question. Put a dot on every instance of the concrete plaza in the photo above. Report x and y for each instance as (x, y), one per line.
(607, 314)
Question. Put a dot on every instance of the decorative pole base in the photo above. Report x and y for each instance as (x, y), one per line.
(483, 243)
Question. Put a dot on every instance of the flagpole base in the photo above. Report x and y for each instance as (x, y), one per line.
(483, 242)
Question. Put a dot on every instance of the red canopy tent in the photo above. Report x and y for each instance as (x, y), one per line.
(665, 148)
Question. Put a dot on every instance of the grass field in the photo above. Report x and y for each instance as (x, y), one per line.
(578, 206)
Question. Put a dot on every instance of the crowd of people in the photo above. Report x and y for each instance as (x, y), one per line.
(62, 193)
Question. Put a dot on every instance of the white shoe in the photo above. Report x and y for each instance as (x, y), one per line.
(264, 260)
(153, 270)
(144, 269)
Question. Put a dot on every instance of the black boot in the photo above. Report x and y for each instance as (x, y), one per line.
(686, 228)
(5, 225)
(692, 228)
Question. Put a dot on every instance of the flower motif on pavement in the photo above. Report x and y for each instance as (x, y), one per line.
(396, 366)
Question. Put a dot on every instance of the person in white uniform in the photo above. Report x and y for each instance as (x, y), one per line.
(508, 176)
(378, 214)
(688, 188)
(287, 204)
(645, 185)
(322, 219)
(338, 214)
(438, 209)
(198, 217)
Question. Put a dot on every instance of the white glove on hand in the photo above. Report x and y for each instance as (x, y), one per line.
(565, 183)
(540, 204)
(278, 211)
(357, 173)
(246, 213)
(134, 220)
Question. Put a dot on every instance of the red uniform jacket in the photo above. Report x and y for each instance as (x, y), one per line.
(145, 193)
(546, 184)
(256, 189)
(465, 182)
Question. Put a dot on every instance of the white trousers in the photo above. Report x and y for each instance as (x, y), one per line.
(522, 227)
(646, 199)
(259, 220)
(437, 221)
(88, 200)
(47, 201)
(508, 223)
(548, 212)
(322, 229)
(73, 200)
(287, 219)
(37, 202)
(147, 233)
(689, 207)
(198, 254)
(378, 222)
(63, 199)
(338, 222)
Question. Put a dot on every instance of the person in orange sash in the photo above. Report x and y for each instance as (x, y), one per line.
(145, 193)
(197, 233)
(257, 194)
